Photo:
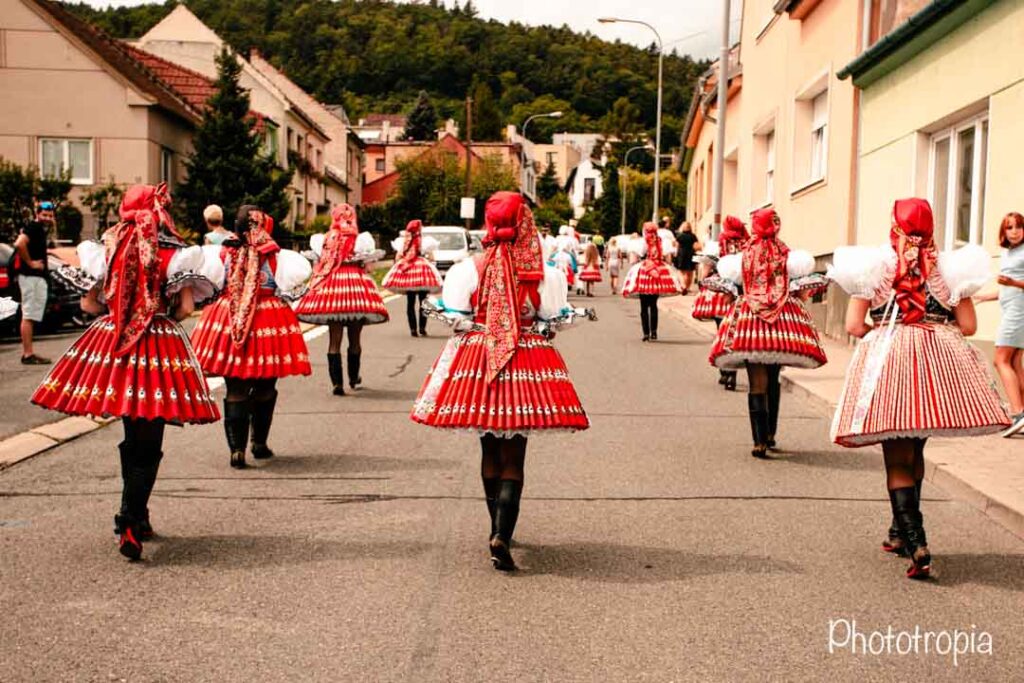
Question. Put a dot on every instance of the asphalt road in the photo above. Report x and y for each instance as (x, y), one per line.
(652, 547)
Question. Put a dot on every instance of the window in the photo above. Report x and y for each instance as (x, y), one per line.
(167, 167)
(589, 189)
(379, 165)
(769, 167)
(819, 136)
(60, 154)
(269, 145)
(957, 174)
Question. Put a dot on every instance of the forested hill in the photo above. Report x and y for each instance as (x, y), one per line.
(375, 56)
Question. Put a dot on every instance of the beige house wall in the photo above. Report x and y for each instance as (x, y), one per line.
(958, 76)
(566, 158)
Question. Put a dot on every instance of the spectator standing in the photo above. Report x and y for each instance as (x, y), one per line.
(688, 245)
(1010, 336)
(32, 272)
(216, 232)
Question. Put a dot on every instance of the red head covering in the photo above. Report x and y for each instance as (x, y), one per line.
(734, 236)
(243, 278)
(654, 251)
(132, 284)
(339, 245)
(410, 245)
(765, 275)
(499, 293)
(912, 239)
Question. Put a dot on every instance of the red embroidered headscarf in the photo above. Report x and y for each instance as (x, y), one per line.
(339, 245)
(765, 274)
(655, 255)
(499, 291)
(253, 228)
(410, 245)
(911, 237)
(132, 284)
(734, 236)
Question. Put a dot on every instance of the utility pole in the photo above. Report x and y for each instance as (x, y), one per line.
(723, 104)
(469, 155)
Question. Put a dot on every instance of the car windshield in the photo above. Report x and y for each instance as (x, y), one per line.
(449, 241)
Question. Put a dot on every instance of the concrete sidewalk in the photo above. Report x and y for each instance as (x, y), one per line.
(986, 472)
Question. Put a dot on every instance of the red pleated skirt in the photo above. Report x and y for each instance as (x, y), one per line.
(532, 393)
(933, 382)
(790, 339)
(348, 294)
(158, 379)
(660, 281)
(591, 274)
(421, 276)
(274, 347)
(709, 305)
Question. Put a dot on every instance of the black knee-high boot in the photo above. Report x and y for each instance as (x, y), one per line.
(262, 418)
(334, 369)
(645, 320)
(907, 508)
(236, 428)
(354, 380)
(152, 468)
(505, 517)
(422, 314)
(893, 543)
(121, 519)
(492, 488)
(410, 311)
(757, 405)
(774, 397)
(137, 473)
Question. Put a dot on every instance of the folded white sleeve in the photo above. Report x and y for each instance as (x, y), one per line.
(965, 271)
(212, 267)
(293, 270)
(187, 260)
(637, 246)
(92, 258)
(397, 244)
(428, 245)
(863, 271)
(711, 248)
(365, 243)
(731, 268)
(800, 263)
(316, 243)
(457, 291)
(554, 294)
(668, 242)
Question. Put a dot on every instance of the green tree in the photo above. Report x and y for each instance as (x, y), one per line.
(421, 122)
(104, 201)
(547, 184)
(608, 207)
(21, 187)
(226, 166)
(487, 121)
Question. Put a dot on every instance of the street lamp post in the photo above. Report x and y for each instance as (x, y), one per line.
(723, 94)
(522, 153)
(657, 132)
(625, 167)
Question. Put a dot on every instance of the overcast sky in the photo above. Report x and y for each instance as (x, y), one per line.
(674, 19)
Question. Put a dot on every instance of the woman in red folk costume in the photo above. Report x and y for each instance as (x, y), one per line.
(913, 375)
(250, 336)
(650, 279)
(342, 295)
(413, 274)
(711, 304)
(499, 375)
(591, 271)
(135, 362)
(768, 327)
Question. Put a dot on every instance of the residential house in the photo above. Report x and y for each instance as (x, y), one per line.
(76, 99)
(343, 162)
(584, 184)
(790, 129)
(292, 136)
(941, 93)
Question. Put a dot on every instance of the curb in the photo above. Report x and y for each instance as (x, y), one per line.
(949, 477)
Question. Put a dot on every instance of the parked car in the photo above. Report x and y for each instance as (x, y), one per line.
(476, 240)
(62, 303)
(453, 244)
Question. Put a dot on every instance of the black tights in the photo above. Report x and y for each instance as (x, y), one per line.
(141, 452)
(501, 469)
(410, 310)
(259, 390)
(337, 331)
(649, 314)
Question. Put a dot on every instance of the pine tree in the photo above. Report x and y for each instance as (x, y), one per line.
(487, 126)
(227, 166)
(609, 204)
(421, 123)
(547, 184)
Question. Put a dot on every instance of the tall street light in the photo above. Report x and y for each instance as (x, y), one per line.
(625, 167)
(657, 132)
(718, 177)
(548, 115)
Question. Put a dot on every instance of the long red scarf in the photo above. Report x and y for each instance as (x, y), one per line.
(734, 236)
(339, 245)
(765, 274)
(655, 255)
(912, 239)
(132, 284)
(243, 280)
(410, 246)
